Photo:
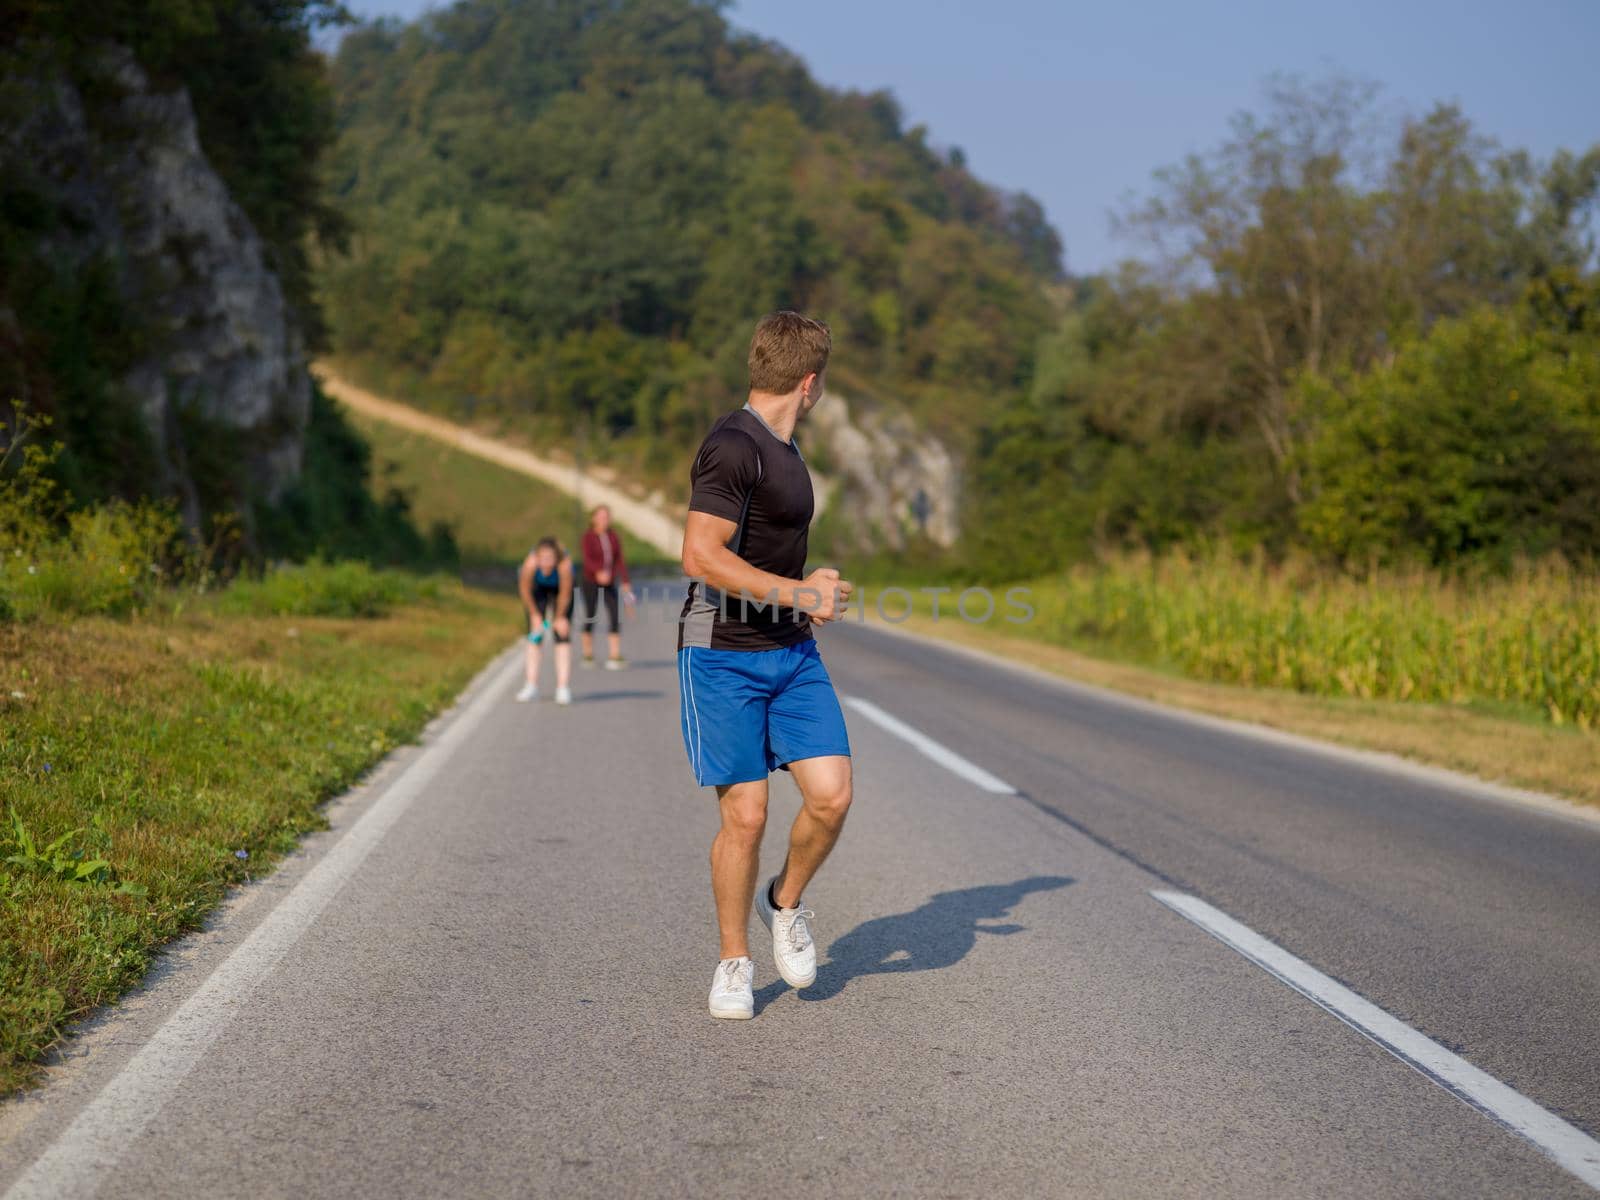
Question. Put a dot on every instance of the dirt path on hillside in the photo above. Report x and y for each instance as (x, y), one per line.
(639, 518)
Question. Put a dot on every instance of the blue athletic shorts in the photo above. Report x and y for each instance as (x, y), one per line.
(746, 713)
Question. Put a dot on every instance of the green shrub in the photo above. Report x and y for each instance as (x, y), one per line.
(1481, 440)
(323, 589)
(112, 561)
(109, 560)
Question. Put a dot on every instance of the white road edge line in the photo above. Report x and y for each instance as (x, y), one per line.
(943, 755)
(1570, 1147)
(88, 1149)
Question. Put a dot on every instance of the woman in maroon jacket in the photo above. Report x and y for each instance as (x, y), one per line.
(602, 568)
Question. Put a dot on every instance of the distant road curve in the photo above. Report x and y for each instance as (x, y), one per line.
(644, 522)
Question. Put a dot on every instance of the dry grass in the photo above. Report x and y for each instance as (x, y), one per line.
(1523, 752)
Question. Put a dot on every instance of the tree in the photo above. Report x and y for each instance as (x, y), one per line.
(1481, 439)
(635, 168)
(1311, 242)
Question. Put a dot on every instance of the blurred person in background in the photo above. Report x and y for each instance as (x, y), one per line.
(603, 567)
(544, 582)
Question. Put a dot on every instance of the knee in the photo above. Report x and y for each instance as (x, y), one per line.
(745, 823)
(830, 804)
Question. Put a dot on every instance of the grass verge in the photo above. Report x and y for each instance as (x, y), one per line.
(1517, 749)
(147, 765)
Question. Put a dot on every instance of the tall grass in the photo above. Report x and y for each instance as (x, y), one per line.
(322, 589)
(165, 732)
(111, 561)
(1529, 639)
(121, 560)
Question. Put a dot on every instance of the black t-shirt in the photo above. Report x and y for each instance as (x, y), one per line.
(745, 474)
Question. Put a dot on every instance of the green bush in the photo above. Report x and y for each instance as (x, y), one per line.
(1480, 440)
(115, 559)
(110, 560)
(323, 589)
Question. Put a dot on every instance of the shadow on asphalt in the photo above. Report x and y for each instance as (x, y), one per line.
(930, 938)
(621, 694)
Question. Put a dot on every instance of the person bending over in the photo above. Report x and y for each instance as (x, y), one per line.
(544, 582)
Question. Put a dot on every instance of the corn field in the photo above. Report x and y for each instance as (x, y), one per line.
(1530, 639)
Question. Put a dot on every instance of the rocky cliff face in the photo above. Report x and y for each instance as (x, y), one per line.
(887, 481)
(128, 175)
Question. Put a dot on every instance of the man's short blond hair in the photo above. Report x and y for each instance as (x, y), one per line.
(785, 349)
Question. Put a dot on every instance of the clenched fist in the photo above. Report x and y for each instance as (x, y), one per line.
(823, 595)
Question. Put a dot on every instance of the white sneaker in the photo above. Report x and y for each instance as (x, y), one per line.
(529, 692)
(731, 996)
(792, 948)
(616, 664)
(563, 695)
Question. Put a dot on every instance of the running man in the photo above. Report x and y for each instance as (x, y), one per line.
(545, 583)
(602, 568)
(755, 695)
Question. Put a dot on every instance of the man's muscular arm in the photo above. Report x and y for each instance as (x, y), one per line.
(822, 594)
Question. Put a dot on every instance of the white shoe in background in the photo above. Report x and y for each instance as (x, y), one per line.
(529, 692)
(564, 695)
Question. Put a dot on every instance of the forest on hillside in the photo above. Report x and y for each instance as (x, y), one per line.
(1373, 339)
(1368, 337)
(572, 211)
(1345, 333)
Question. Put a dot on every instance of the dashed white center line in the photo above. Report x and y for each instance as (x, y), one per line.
(1569, 1146)
(943, 755)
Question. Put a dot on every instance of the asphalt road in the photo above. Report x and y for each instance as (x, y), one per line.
(489, 979)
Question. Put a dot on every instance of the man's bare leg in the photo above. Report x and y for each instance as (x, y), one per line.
(735, 861)
(825, 790)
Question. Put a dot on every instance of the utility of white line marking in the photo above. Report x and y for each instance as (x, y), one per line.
(943, 755)
(1569, 1146)
(77, 1162)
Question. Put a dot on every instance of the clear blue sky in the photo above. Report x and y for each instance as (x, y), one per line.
(1078, 103)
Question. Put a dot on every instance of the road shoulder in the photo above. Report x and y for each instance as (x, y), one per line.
(95, 1050)
(1557, 770)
